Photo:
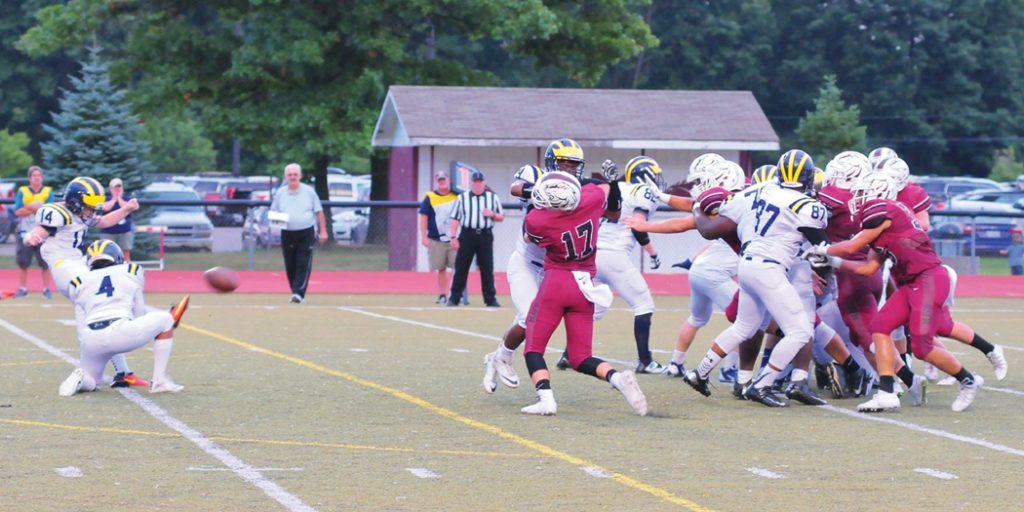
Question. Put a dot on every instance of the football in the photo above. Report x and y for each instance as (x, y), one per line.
(221, 279)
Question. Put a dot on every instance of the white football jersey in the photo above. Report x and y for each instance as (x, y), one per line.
(109, 293)
(532, 252)
(718, 258)
(67, 232)
(614, 236)
(778, 214)
(739, 208)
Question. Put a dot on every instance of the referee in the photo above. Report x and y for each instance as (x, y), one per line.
(476, 211)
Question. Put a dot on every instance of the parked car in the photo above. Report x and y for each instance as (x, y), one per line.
(8, 221)
(351, 225)
(258, 230)
(987, 200)
(990, 234)
(187, 226)
(942, 188)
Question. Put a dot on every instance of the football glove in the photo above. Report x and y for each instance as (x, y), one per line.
(655, 262)
(656, 190)
(609, 170)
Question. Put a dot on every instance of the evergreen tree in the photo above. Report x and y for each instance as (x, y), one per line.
(13, 158)
(832, 127)
(95, 133)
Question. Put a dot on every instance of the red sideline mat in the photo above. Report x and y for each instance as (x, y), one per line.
(191, 281)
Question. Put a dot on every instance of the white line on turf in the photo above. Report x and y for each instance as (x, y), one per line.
(1005, 390)
(761, 472)
(595, 472)
(237, 466)
(926, 430)
(936, 473)
(460, 350)
(69, 472)
(358, 350)
(423, 473)
(210, 468)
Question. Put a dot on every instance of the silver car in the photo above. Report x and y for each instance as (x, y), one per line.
(187, 226)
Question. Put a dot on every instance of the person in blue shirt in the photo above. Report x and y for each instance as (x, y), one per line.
(1015, 253)
(122, 233)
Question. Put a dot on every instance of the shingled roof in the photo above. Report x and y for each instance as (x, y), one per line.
(642, 119)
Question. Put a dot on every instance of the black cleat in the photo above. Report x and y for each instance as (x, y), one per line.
(737, 391)
(563, 362)
(801, 392)
(859, 382)
(763, 396)
(837, 381)
(695, 382)
(822, 379)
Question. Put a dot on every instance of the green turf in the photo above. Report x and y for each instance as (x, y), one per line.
(355, 390)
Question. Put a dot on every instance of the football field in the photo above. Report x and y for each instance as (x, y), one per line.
(365, 402)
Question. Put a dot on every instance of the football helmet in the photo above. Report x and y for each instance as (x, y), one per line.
(846, 168)
(897, 169)
(528, 174)
(699, 164)
(564, 155)
(557, 190)
(83, 192)
(796, 171)
(104, 250)
(764, 174)
(870, 187)
(644, 169)
(725, 174)
(879, 155)
(819, 180)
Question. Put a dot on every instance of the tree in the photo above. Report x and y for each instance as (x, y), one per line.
(177, 145)
(94, 133)
(14, 160)
(832, 127)
(1007, 165)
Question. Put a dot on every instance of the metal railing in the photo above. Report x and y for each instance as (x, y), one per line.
(973, 215)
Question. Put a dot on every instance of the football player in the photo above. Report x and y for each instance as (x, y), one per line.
(565, 223)
(61, 229)
(115, 320)
(890, 229)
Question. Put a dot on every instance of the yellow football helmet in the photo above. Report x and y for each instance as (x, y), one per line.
(564, 155)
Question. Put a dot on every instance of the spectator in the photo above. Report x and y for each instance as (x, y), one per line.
(28, 199)
(1015, 252)
(301, 211)
(122, 233)
(475, 212)
(435, 210)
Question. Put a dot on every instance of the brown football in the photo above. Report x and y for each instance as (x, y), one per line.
(221, 279)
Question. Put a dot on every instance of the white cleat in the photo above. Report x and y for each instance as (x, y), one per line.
(167, 386)
(627, 385)
(948, 380)
(882, 401)
(998, 362)
(72, 384)
(506, 372)
(931, 372)
(490, 374)
(545, 405)
(967, 393)
(917, 391)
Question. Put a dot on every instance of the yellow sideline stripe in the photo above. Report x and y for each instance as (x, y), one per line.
(310, 444)
(470, 422)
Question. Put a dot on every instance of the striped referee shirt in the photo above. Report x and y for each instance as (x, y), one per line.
(469, 209)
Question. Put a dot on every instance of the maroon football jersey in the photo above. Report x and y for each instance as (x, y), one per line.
(914, 196)
(710, 201)
(841, 226)
(569, 238)
(904, 241)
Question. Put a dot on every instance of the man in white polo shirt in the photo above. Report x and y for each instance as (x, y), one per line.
(301, 208)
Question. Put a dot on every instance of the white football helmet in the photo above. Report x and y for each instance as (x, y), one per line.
(701, 164)
(528, 174)
(880, 154)
(725, 174)
(871, 186)
(896, 169)
(557, 190)
(846, 168)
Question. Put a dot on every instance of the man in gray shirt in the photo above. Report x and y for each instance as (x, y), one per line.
(301, 207)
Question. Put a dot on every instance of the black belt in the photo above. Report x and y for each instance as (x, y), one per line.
(757, 258)
(479, 231)
(537, 264)
(102, 324)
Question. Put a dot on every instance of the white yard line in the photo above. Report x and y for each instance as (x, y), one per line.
(423, 473)
(942, 475)
(764, 473)
(1005, 390)
(595, 472)
(244, 471)
(210, 468)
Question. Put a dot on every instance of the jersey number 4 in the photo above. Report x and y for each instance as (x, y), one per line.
(583, 235)
(106, 287)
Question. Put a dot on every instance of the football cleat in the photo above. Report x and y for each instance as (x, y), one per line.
(835, 380)
(123, 380)
(822, 379)
(948, 380)
(651, 367)
(882, 401)
(506, 372)
(47, 294)
(563, 362)
(800, 390)
(968, 391)
(490, 374)
(998, 362)
(675, 369)
(72, 384)
(727, 375)
(696, 382)
(630, 389)
(22, 292)
(917, 391)
(931, 372)
(167, 386)
(764, 396)
(738, 391)
(178, 310)
(859, 381)
(545, 405)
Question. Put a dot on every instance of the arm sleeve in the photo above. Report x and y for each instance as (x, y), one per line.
(425, 205)
(614, 197)
(457, 209)
(317, 205)
(815, 236)
(497, 203)
(19, 200)
(641, 238)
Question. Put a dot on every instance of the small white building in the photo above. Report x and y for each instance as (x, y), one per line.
(497, 130)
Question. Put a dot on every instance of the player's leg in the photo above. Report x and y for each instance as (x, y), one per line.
(895, 312)
(627, 281)
(544, 317)
(128, 335)
(523, 281)
(784, 304)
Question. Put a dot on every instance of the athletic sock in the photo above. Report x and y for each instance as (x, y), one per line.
(964, 377)
(768, 377)
(642, 333)
(711, 359)
(608, 377)
(161, 356)
(887, 383)
(850, 364)
(120, 364)
(979, 343)
(744, 376)
(799, 375)
(504, 353)
(678, 356)
(766, 354)
(906, 375)
(543, 384)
